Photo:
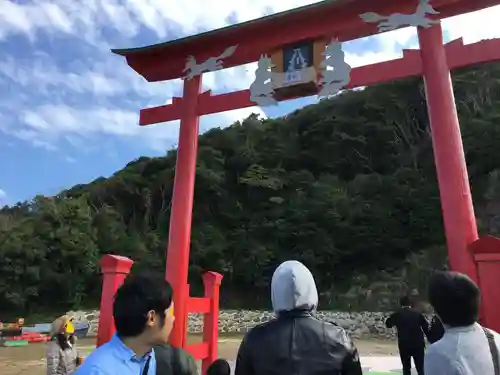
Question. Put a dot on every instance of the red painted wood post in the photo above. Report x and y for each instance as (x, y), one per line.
(211, 282)
(185, 324)
(486, 253)
(456, 200)
(179, 238)
(115, 269)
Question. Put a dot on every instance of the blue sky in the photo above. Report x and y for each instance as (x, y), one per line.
(69, 108)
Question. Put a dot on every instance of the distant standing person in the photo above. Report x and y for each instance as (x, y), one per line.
(466, 348)
(62, 357)
(412, 327)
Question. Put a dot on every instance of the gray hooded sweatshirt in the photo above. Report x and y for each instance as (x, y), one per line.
(296, 343)
(293, 288)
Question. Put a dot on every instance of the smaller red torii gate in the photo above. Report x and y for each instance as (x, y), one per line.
(316, 24)
(115, 269)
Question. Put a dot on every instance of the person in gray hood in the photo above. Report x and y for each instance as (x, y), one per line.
(296, 343)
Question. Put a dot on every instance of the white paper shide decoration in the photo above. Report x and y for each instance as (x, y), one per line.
(212, 64)
(395, 21)
(336, 72)
(261, 90)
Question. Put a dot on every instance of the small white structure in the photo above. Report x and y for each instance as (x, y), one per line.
(212, 64)
(261, 89)
(394, 21)
(336, 72)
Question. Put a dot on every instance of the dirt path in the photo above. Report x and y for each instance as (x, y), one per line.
(30, 360)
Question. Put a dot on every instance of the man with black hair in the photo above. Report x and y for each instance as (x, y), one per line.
(466, 348)
(143, 314)
(219, 367)
(411, 327)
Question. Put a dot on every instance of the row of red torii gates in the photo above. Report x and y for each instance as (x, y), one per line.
(477, 257)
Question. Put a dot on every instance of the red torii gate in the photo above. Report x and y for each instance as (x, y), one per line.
(318, 22)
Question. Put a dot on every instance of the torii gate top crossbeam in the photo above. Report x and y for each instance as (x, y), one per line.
(329, 18)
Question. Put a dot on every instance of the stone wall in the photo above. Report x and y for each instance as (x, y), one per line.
(233, 321)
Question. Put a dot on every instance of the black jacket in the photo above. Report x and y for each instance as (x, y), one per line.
(174, 361)
(297, 344)
(411, 325)
(436, 330)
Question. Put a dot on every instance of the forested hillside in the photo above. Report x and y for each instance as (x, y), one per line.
(348, 186)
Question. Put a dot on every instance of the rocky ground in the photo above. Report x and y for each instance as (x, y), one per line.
(371, 336)
(30, 360)
(360, 324)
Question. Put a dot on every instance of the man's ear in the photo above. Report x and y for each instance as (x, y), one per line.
(150, 318)
(170, 310)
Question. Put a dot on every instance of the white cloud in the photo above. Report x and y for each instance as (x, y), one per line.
(87, 18)
(51, 123)
(474, 26)
(3, 195)
(107, 78)
(98, 94)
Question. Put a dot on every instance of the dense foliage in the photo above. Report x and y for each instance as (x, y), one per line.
(348, 186)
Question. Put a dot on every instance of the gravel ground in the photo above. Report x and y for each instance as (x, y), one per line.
(30, 360)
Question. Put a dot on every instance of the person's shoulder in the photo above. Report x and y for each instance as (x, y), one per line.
(92, 368)
(435, 357)
(443, 349)
(102, 351)
(446, 347)
(330, 331)
(169, 351)
(422, 314)
(418, 314)
(331, 325)
(394, 315)
(98, 360)
(261, 328)
(336, 333)
(173, 359)
(434, 348)
(496, 336)
(440, 360)
(329, 322)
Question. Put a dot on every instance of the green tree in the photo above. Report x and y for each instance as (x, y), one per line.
(347, 186)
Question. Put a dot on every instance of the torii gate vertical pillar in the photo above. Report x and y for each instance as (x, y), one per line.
(456, 200)
(179, 238)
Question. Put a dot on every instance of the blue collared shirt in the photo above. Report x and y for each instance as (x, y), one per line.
(114, 358)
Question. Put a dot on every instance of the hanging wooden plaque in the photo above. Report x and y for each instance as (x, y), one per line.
(295, 70)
